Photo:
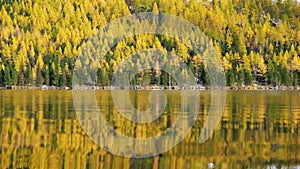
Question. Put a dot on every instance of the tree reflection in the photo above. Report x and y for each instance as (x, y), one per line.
(39, 129)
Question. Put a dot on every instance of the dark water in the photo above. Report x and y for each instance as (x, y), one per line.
(259, 129)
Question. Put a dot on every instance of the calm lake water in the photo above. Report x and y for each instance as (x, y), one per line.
(259, 129)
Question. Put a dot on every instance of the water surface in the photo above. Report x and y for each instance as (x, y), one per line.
(259, 129)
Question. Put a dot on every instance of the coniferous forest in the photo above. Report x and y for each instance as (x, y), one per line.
(258, 41)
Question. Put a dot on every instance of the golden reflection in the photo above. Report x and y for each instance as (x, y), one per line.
(39, 130)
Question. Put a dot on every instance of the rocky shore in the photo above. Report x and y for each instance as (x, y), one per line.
(199, 87)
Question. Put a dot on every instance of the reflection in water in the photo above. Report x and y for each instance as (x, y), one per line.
(258, 129)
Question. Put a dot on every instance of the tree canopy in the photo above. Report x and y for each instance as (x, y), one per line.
(257, 41)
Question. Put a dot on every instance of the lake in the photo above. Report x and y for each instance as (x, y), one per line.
(258, 129)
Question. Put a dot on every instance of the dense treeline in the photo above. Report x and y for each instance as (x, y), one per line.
(258, 41)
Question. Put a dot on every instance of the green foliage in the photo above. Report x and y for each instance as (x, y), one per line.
(258, 41)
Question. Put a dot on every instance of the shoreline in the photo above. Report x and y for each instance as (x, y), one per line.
(250, 88)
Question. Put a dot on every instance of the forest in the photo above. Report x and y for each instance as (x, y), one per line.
(257, 41)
